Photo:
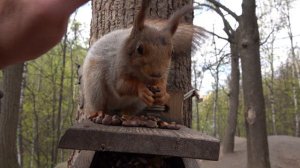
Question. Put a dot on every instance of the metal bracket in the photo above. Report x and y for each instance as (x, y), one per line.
(192, 93)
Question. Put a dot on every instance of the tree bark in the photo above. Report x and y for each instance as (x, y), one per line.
(20, 144)
(53, 115)
(255, 113)
(228, 141)
(215, 74)
(111, 15)
(295, 97)
(12, 79)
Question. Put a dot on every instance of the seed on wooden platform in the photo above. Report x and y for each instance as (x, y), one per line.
(166, 125)
(116, 120)
(142, 123)
(98, 119)
(173, 125)
(93, 115)
(163, 124)
(142, 117)
(126, 117)
(107, 120)
(151, 124)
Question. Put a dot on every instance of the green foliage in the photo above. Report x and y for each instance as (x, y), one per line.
(38, 119)
(283, 100)
(206, 115)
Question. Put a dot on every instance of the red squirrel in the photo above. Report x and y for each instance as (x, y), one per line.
(122, 66)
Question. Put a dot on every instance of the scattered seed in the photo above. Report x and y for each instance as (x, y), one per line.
(151, 124)
(93, 115)
(150, 121)
(163, 124)
(107, 120)
(98, 119)
(116, 120)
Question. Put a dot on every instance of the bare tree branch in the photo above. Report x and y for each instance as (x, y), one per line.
(227, 27)
(217, 63)
(218, 36)
(263, 42)
(230, 12)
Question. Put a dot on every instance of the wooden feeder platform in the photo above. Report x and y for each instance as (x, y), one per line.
(182, 146)
(184, 142)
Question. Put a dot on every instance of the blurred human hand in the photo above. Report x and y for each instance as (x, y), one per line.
(29, 28)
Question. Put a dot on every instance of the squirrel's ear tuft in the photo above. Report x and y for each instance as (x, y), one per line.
(173, 21)
(140, 17)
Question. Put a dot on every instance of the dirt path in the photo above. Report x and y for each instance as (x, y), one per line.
(284, 153)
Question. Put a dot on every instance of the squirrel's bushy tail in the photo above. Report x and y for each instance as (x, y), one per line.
(187, 36)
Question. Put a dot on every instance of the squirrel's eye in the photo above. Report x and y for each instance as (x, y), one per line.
(140, 49)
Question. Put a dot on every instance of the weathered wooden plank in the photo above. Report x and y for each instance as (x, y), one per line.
(181, 143)
(175, 104)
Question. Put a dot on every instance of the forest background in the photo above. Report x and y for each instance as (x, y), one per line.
(49, 88)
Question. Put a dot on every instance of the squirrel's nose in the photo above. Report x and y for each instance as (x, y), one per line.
(155, 75)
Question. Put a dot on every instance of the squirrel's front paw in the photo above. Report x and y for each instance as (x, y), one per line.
(161, 98)
(146, 95)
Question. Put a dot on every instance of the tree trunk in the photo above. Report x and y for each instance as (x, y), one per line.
(228, 141)
(53, 115)
(295, 98)
(111, 15)
(12, 79)
(255, 113)
(215, 74)
(215, 104)
(20, 144)
(272, 99)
